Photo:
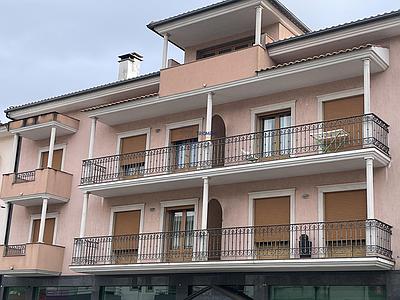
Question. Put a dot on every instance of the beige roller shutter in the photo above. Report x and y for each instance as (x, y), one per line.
(344, 108)
(184, 133)
(127, 222)
(345, 206)
(57, 159)
(272, 211)
(48, 231)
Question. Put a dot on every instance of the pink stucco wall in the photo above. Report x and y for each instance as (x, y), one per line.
(385, 89)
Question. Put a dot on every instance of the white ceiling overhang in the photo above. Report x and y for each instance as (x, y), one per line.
(299, 75)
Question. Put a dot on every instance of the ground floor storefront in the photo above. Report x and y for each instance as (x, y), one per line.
(271, 286)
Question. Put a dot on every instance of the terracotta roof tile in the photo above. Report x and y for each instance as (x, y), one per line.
(119, 102)
(295, 62)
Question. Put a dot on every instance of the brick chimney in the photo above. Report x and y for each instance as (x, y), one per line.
(129, 65)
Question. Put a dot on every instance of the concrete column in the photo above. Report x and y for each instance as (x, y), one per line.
(204, 211)
(209, 116)
(84, 215)
(14, 153)
(43, 220)
(92, 137)
(51, 147)
(370, 187)
(165, 51)
(367, 86)
(258, 29)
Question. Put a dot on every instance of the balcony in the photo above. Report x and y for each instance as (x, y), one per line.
(352, 245)
(212, 71)
(321, 147)
(29, 188)
(39, 127)
(31, 260)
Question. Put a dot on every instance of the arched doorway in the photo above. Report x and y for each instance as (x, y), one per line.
(218, 135)
(214, 226)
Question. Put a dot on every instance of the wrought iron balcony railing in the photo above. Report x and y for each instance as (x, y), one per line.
(14, 250)
(297, 241)
(301, 140)
(24, 177)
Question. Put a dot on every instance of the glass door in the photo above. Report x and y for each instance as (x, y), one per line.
(275, 139)
(179, 235)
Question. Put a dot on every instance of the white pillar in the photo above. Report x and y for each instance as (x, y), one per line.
(92, 137)
(370, 187)
(84, 215)
(258, 28)
(14, 153)
(209, 116)
(42, 220)
(165, 51)
(51, 147)
(367, 86)
(204, 211)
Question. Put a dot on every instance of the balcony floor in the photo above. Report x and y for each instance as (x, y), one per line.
(275, 169)
(331, 264)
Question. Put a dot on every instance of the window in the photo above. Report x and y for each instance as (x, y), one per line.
(65, 293)
(126, 240)
(179, 240)
(184, 146)
(57, 159)
(48, 230)
(225, 48)
(345, 230)
(328, 293)
(271, 234)
(132, 150)
(15, 293)
(339, 136)
(275, 141)
(139, 293)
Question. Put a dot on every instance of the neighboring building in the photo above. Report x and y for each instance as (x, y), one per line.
(260, 168)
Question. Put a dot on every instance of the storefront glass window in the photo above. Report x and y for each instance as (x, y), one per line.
(15, 293)
(65, 293)
(328, 293)
(139, 293)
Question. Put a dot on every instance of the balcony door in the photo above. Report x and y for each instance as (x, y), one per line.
(57, 159)
(184, 147)
(272, 229)
(125, 236)
(275, 140)
(179, 234)
(345, 227)
(340, 135)
(48, 231)
(132, 159)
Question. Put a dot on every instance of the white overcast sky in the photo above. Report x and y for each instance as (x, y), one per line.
(50, 47)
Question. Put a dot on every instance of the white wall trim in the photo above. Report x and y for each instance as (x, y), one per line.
(56, 147)
(177, 203)
(48, 216)
(271, 108)
(270, 194)
(132, 133)
(123, 208)
(335, 188)
(335, 96)
(170, 126)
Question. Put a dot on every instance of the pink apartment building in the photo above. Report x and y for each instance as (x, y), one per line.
(264, 166)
